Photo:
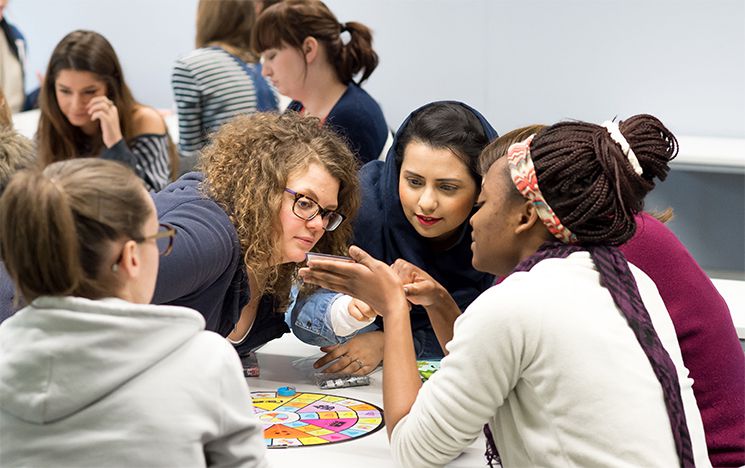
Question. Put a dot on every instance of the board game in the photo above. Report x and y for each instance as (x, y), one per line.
(427, 368)
(312, 419)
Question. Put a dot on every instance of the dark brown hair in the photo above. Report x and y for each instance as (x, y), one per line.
(268, 148)
(589, 182)
(59, 226)
(228, 22)
(447, 125)
(288, 23)
(498, 148)
(86, 51)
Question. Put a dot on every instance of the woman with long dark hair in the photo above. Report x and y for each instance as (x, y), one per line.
(415, 211)
(87, 110)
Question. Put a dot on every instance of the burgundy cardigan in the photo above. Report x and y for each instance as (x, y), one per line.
(708, 340)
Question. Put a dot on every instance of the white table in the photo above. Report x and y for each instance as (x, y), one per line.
(277, 370)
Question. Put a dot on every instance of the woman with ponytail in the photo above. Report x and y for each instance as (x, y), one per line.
(573, 358)
(312, 58)
(91, 374)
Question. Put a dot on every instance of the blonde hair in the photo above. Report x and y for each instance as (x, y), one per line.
(229, 23)
(246, 169)
(6, 117)
(58, 226)
(16, 153)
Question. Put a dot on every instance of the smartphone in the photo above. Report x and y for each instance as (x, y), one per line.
(321, 256)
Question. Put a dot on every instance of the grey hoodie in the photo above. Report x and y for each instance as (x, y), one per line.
(110, 383)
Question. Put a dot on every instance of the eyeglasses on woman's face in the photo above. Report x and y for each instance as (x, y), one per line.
(163, 238)
(306, 209)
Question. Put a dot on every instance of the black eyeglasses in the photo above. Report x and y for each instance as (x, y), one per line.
(306, 208)
(163, 238)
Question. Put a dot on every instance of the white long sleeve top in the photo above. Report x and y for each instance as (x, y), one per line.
(551, 364)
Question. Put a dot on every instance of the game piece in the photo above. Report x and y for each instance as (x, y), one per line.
(426, 368)
(313, 418)
(286, 391)
(250, 364)
(337, 380)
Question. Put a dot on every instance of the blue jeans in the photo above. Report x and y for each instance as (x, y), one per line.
(426, 345)
(309, 322)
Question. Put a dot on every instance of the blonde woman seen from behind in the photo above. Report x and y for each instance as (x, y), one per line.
(91, 374)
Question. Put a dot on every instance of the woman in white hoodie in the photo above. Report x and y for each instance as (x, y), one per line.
(91, 374)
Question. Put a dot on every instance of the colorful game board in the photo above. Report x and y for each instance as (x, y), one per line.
(313, 418)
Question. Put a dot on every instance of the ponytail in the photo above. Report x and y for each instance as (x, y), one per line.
(589, 179)
(290, 22)
(39, 240)
(59, 227)
(357, 55)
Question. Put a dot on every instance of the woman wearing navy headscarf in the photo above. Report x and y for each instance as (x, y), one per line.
(415, 211)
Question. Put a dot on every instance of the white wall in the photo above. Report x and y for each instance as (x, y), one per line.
(147, 35)
(520, 62)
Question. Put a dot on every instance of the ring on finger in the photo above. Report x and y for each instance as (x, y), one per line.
(360, 363)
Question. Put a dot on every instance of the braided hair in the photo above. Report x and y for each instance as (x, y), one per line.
(593, 188)
(589, 182)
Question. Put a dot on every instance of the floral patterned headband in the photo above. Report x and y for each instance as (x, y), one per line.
(524, 178)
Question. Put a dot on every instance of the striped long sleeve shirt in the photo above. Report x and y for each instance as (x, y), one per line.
(211, 86)
(147, 155)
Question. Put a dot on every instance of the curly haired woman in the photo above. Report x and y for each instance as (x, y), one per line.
(271, 186)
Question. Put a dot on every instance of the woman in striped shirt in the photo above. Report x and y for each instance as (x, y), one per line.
(220, 79)
(88, 110)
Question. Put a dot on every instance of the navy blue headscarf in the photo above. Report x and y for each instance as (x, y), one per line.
(383, 231)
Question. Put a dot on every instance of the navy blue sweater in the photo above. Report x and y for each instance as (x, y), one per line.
(383, 231)
(205, 271)
(359, 119)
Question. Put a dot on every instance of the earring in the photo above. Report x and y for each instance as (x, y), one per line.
(115, 267)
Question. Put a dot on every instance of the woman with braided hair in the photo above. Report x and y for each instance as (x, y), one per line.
(313, 58)
(572, 359)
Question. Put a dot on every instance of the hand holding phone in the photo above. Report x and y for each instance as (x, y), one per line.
(321, 256)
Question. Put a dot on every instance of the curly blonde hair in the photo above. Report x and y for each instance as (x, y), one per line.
(246, 167)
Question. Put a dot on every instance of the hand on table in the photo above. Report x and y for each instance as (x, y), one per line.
(102, 109)
(359, 356)
(420, 288)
